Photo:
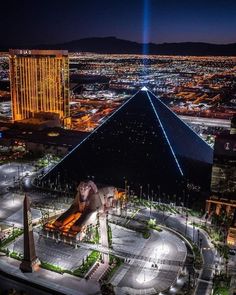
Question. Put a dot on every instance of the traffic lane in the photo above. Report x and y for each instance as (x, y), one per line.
(207, 251)
(163, 277)
(179, 225)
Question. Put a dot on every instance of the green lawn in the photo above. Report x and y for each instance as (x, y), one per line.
(115, 263)
(221, 285)
(146, 234)
(51, 267)
(88, 263)
(12, 237)
(16, 255)
(221, 291)
(95, 236)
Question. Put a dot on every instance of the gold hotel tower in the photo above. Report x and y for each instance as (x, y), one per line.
(39, 83)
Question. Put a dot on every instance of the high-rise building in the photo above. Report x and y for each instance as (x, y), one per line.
(39, 83)
(223, 182)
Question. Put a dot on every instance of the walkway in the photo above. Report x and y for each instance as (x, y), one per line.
(54, 282)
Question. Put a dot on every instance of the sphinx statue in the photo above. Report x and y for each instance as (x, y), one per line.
(89, 201)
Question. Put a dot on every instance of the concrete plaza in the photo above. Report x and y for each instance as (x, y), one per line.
(139, 277)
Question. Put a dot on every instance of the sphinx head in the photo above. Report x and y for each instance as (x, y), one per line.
(85, 189)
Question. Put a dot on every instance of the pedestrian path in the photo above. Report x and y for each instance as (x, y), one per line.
(51, 281)
(99, 272)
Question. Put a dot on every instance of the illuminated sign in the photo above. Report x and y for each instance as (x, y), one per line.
(225, 146)
(229, 146)
(25, 51)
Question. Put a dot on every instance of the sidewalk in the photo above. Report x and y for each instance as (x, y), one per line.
(65, 284)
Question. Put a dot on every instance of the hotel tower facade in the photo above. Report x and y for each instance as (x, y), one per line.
(39, 83)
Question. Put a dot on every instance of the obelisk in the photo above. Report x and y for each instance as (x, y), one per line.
(30, 262)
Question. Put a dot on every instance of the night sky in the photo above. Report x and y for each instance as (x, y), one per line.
(49, 21)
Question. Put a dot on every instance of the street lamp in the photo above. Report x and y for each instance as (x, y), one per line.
(186, 223)
(200, 243)
(125, 186)
(184, 199)
(128, 192)
(13, 230)
(187, 201)
(193, 230)
(151, 204)
(141, 192)
(198, 237)
(164, 198)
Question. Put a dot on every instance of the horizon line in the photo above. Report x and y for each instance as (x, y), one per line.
(118, 38)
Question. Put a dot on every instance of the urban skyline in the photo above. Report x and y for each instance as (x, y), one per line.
(118, 158)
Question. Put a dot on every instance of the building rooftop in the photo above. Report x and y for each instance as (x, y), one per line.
(32, 52)
(51, 136)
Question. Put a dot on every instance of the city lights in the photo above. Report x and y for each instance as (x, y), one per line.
(117, 151)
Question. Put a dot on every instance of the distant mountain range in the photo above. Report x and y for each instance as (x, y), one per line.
(119, 46)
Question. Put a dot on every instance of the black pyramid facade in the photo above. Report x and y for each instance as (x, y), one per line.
(142, 142)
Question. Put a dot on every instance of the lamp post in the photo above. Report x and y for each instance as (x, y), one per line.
(200, 243)
(141, 192)
(128, 187)
(13, 230)
(125, 187)
(174, 199)
(193, 231)
(184, 198)
(151, 203)
(164, 198)
(187, 200)
(186, 223)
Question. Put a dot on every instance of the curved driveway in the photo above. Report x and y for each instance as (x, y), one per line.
(140, 275)
(204, 282)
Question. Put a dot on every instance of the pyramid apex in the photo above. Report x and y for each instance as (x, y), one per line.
(144, 88)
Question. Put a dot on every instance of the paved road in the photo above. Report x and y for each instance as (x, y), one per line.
(152, 265)
(176, 248)
(64, 284)
(207, 121)
(177, 222)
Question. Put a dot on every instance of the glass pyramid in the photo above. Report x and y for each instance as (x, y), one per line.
(144, 143)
